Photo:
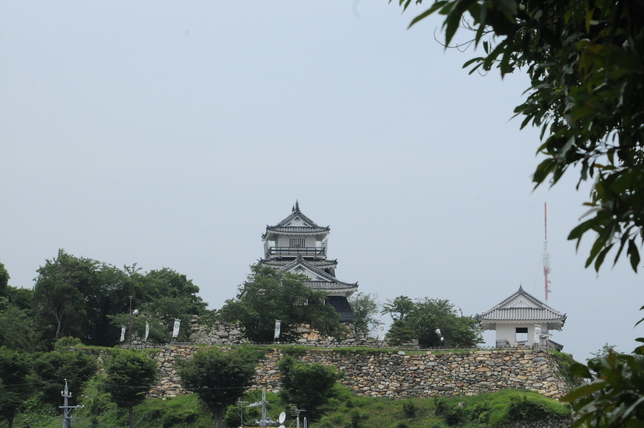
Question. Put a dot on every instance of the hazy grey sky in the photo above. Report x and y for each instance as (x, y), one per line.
(169, 134)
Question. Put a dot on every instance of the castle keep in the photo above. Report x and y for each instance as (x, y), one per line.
(298, 245)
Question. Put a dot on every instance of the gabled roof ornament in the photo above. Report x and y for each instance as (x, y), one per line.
(297, 205)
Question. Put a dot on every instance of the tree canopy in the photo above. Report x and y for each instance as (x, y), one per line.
(129, 375)
(434, 322)
(308, 386)
(4, 279)
(270, 295)
(585, 61)
(219, 378)
(53, 368)
(14, 388)
(19, 332)
(84, 298)
(365, 310)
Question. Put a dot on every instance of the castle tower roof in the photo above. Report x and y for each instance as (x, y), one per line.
(521, 307)
(296, 224)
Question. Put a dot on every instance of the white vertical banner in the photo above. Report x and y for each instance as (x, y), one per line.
(147, 331)
(122, 333)
(175, 329)
(278, 328)
(537, 334)
(381, 331)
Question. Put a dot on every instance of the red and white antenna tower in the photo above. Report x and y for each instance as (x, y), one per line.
(546, 255)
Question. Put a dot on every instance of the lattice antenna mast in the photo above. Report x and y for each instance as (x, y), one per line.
(546, 255)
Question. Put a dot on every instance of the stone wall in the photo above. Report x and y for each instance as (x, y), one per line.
(227, 335)
(392, 374)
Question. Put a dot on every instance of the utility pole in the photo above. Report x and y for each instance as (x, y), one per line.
(296, 412)
(67, 419)
(262, 422)
(241, 405)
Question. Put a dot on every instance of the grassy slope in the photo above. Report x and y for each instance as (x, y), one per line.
(345, 411)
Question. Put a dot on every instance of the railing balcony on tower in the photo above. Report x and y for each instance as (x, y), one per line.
(297, 251)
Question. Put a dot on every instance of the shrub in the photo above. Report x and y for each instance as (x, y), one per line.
(522, 409)
(357, 418)
(409, 409)
(440, 406)
(480, 413)
(453, 415)
(294, 351)
(181, 418)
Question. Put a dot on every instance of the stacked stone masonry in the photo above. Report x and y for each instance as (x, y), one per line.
(399, 374)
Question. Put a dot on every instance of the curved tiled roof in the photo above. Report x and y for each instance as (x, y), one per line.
(328, 281)
(285, 261)
(335, 285)
(535, 310)
(527, 314)
(310, 227)
(296, 229)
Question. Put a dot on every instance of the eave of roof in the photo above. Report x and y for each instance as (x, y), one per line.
(311, 228)
(296, 229)
(522, 314)
(329, 279)
(285, 261)
(542, 312)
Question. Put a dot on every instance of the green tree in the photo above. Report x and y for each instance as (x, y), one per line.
(4, 279)
(160, 297)
(585, 60)
(270, 295)
(18, 332)
(21, 297)
(65, 287)
(613, 395)
(14, 385)
(53, 368)
(219, 378)
(365, 311)
(431, 316)
(308, 386)
(434, 322)
(398, 308)
(84, 298)
(129, 375)
(16, 315)
(400, 333)
(170, 295)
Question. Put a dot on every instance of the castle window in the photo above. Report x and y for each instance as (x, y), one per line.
(521, 334)
(296, 242)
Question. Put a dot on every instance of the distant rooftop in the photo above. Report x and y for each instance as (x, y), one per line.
(522, 306)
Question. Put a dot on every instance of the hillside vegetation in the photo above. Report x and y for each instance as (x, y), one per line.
(345, 411)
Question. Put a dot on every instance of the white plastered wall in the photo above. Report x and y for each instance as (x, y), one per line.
(508, 332)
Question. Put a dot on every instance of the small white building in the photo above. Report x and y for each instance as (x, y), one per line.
(522, 320)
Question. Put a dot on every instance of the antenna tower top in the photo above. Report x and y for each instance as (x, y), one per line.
(546, 255)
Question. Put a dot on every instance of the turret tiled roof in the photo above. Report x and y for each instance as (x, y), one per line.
(521, 306)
